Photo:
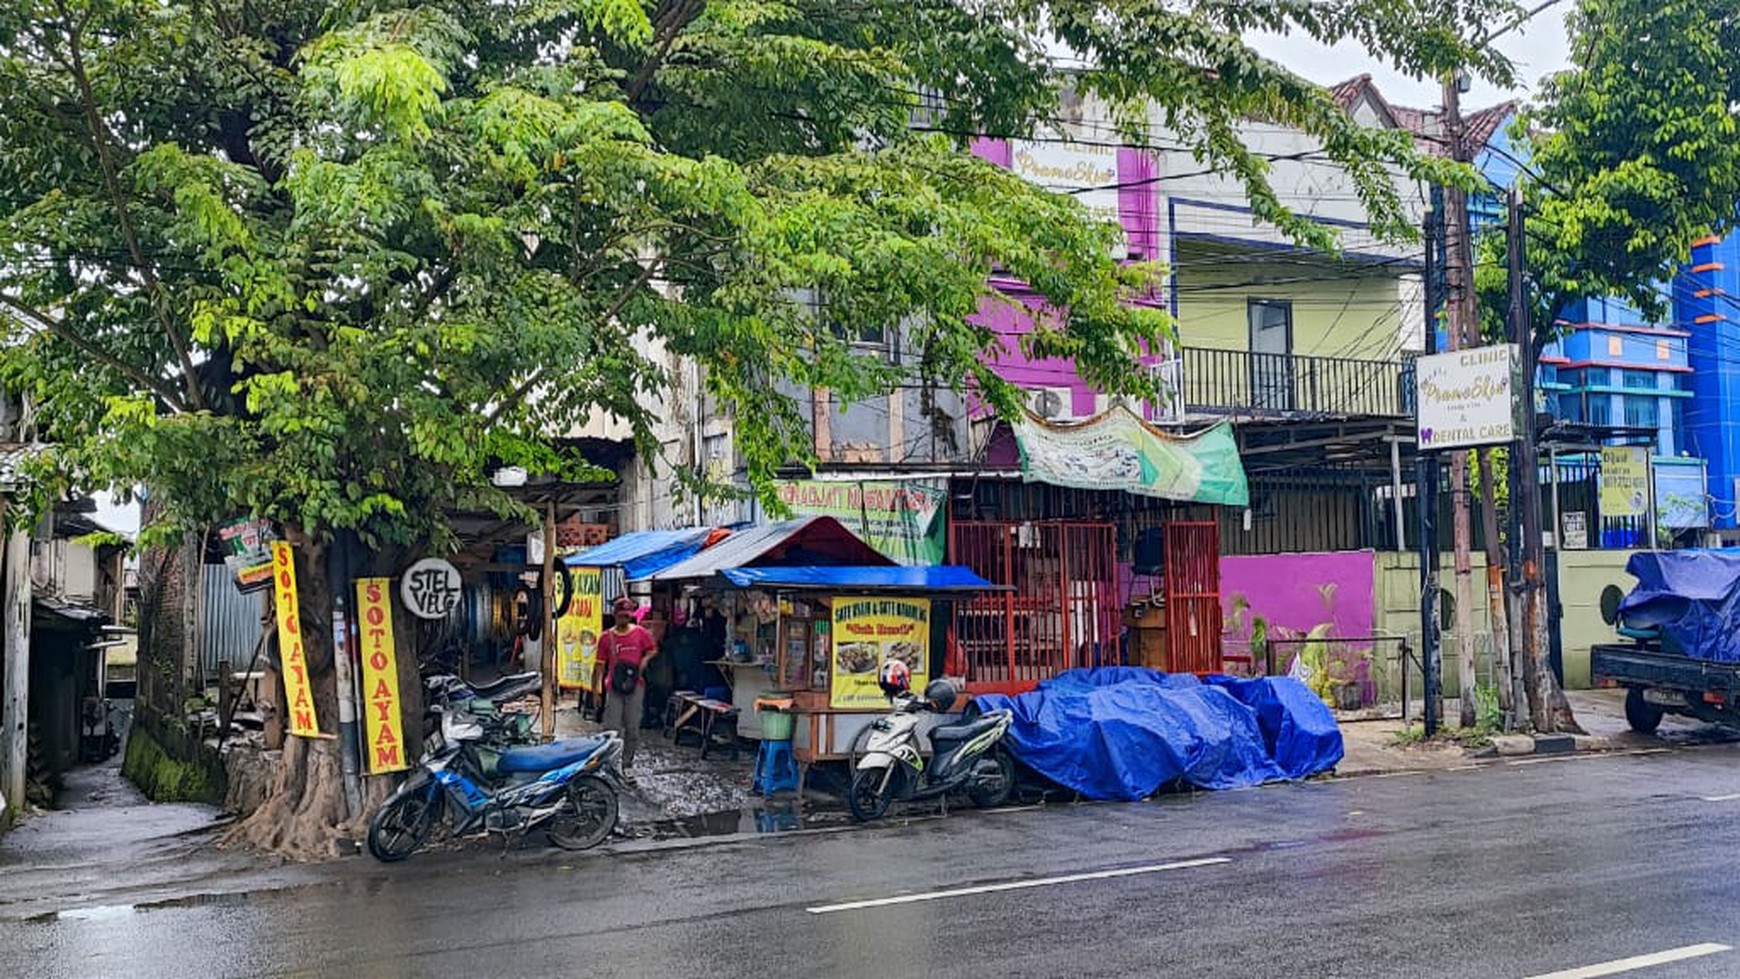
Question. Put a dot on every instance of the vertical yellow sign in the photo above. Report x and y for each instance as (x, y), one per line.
(380, 674)
(868, 632)
(579, 629)
(1624, 481)
(298, 693)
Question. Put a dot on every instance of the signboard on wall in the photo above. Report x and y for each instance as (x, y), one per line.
(902, 519)
(1468, 398)
(1119, 451)
(382, 724)
(868, 632)
(577, 631)
(1087, 173)
(1624, 481)
(249, 557)
(298, 709)
(1576, 530)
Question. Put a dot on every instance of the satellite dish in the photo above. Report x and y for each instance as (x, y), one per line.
(1610, 598)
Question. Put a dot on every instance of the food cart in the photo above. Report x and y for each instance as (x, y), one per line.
(834, 628)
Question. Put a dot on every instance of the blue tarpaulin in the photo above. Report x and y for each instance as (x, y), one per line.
(1124, 733)
(644, 553)
(1693, 596)
(944, 578)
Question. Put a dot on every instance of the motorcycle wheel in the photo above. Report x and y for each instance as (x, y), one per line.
(867, 799)
(993, 793)
(587, 815)
(403, 825)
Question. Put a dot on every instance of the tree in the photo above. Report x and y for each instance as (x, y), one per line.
(1633, 155)
(331, 264)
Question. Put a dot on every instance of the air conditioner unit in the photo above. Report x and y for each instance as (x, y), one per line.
(1169, 374)
(1052, 404)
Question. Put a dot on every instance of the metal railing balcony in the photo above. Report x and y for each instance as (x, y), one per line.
(1241, 383)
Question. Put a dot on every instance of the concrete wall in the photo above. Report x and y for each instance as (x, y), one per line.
(1351, 316)
(1582, 576)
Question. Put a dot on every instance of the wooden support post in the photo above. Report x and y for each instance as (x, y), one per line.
(15, 709)
(551, 594)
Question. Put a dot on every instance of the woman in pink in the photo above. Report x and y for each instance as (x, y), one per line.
(623, 655)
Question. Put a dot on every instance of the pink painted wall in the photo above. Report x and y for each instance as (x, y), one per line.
(1285, 590)
(1139, 211)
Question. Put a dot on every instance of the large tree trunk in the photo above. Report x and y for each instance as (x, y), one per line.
(306, 816)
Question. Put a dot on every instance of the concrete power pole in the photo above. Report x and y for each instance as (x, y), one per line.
(1459, 303)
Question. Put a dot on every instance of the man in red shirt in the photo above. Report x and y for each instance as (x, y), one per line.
(623, 654)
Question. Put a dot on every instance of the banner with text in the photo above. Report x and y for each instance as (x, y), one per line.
(380, 677)
(1120, 451)
(902, 519)
(868, 632)
(1468, 398)
(577, 632)
(1624, 481)
(298, 707)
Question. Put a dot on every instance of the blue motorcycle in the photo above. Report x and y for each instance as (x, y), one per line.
(569, 786)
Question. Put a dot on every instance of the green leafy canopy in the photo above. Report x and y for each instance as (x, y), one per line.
(330, 263)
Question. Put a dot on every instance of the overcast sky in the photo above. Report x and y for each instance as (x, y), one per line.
(1537, 49)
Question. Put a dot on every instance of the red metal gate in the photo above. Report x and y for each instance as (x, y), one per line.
(1061, 611)
(1193, 617)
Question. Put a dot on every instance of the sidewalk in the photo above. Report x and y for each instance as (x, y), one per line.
(1373, 746)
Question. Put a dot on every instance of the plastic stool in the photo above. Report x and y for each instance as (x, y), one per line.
(775, 768)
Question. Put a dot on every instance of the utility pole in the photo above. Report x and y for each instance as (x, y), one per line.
(1459, 286)
(1545, 697)
(551, 595)
(1426, 485)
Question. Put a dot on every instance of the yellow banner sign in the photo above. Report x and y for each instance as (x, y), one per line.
(298, 693)
(380, 673)
(578, 631)
(1624, 481)
(868, 632)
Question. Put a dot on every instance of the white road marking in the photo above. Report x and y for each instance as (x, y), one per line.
(1017, 885)
(1637, 962)
(1730, 797)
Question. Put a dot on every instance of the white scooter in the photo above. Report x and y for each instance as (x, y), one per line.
(966, 757)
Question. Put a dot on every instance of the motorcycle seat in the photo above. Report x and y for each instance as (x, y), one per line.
(516, 685)
(956, 733)
(548, 757)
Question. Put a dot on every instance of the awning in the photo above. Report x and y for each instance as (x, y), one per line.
(644, 553)
(943, 579)
(805, 541)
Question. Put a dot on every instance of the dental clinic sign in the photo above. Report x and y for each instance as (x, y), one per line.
(1468, 398)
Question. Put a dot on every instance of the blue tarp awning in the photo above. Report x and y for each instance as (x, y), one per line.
(789, 543)
(644, 553)
(933, 580)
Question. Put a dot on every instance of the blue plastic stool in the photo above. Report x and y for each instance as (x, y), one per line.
(775, 768)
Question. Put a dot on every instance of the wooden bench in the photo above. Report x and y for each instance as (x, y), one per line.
(713, 721)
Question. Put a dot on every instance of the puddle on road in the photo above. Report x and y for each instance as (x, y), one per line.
(772, 816)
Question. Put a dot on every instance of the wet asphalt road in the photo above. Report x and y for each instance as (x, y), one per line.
(1505, 870)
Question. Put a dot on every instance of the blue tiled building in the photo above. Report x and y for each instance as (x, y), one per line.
(1704, 301)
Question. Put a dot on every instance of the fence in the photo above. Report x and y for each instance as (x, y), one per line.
(1257, 385)
(229, 623)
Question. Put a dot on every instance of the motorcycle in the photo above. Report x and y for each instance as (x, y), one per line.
(966, 757)
(572, 785)
(450, 694)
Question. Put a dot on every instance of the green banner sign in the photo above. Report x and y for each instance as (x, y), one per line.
(903, 519)
(1119, 451)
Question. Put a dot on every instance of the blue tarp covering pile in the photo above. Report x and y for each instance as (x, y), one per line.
(1124, 733)
(1693, 596)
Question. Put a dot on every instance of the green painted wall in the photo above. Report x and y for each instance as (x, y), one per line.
(1582, 576)
(1357, 317)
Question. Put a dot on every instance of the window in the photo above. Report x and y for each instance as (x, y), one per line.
(1640, 412)
(1639, 380)
(1598, 413)
(1571, 378)
(1571, 406)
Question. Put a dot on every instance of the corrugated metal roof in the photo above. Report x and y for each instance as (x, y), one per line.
(644, 553)
(807, 540)
(12, 458)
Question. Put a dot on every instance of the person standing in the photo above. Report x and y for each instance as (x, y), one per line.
(624, 652)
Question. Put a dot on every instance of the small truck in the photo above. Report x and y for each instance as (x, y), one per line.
(1659, 676)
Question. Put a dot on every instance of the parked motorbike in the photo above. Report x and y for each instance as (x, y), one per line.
(569, 786)
(450, 694)
(967, 757)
